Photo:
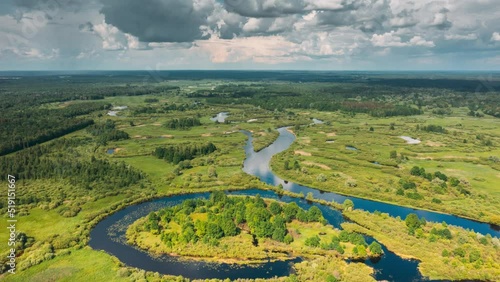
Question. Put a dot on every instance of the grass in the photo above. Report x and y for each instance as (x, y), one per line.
(81, 265)
(393, 233)
(354, 172)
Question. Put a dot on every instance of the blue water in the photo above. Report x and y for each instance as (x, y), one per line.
(257, 163)
(109, 234)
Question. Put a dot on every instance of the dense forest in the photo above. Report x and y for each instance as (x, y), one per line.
(225, 218)
(178, 153)
(27, 117)
(48, 162)
(182, 123)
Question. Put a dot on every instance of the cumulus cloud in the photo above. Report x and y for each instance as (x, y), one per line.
(112, 38)
(258, 31)
(391, 39)
(159, 20)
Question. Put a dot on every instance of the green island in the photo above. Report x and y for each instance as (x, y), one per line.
(90, 146)
(245, 230)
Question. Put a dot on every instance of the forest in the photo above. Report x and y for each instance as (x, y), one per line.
(76, 164)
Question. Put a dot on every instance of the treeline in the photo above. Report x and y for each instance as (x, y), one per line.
(282, 97)
(433, 128)
(166, 108)
(24, 128)
(18, 134)
(225, 217)
(107, 132)
(178, 153)
(182, 123)
(25, 121)
(50, 161)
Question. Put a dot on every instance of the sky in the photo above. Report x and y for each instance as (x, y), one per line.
(249, 34)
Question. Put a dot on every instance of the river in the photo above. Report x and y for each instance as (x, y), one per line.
(109, 234)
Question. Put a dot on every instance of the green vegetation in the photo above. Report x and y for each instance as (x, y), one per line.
(440, 173)
(55, 134)
(211, 229)
(176, 154)
(444, 252)
(182, 123)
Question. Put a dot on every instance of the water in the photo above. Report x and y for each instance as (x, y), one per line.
(351, 148)
(410, 140)
(258, 164)
(109, 234)
(110, 151)
(220, 117)
(317, 121)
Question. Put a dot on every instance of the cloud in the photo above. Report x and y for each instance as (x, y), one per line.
(30, 53)
(495, 36)
(159, 20)
(112, 38)
(391, 39)
(470, 36)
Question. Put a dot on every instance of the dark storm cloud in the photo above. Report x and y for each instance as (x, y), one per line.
(159, 20)
(263, 9)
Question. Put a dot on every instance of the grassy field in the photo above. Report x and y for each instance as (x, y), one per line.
(368, 171)
(439, 258)
(468, 152)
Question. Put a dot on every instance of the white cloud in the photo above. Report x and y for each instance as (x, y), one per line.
(419, 41)
(388, 39)
(391, 39)
(470, 36)
(495, 36)
(113, 39)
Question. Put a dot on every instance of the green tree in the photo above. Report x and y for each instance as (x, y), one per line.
(348, 204)
(312, 241)
(412, 222)
(375, 248)
(474, 255)
(288, 239)
(314, 214)
(275, 208)
(290, 211)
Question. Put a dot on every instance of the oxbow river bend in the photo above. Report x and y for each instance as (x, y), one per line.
(109, 234)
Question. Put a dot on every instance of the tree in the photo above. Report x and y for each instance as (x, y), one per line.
(288, 239)
(279, 227)
(375, 248)
(312, 241)
(290, 211)
(348, 204)
(214, 231)
(314, 214)
(287, 165)
(275, 208)
(212, 172)
(310, 196)
(394, 155)
(474, 255)
(412, 222)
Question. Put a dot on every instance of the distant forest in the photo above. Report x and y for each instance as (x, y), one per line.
(33, 108)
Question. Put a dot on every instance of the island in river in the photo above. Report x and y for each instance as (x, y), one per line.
(245, 230)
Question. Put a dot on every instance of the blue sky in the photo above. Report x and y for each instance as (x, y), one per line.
(250, 34)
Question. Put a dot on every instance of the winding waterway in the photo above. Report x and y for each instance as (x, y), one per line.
(109, 234)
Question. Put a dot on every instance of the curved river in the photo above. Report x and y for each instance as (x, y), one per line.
(109, 234)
